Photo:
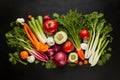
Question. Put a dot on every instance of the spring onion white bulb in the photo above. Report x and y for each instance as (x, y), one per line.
(21, 20)
(31, 59)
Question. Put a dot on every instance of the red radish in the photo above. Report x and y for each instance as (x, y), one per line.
(46, 17)
(50, 26)
(84, 34)
(60, 58)
(68, 46)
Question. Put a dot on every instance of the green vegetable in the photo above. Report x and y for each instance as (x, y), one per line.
(103, 59)
(71, 23)
(16, 38)
(14, 58)
(49, 65)
(99, 36)
(36, 26)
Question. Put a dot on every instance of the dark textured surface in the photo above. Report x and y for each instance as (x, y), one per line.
(12, 9)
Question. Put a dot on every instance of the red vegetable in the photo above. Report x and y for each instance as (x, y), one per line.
(50, 52)
(56, 48)
(60, 58)
(39, 55)
(68, 46)
(50, 26)
(80, 53)
(46, 17)
(84, 34)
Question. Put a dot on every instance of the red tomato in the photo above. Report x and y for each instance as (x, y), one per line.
(84, 34)
(68, 46)
(50, 26)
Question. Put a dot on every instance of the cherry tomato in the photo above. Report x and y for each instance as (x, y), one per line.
(68, 46)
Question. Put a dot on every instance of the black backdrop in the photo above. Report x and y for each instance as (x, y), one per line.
(12, 9)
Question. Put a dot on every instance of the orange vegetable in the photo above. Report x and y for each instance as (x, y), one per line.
(85, 62)
(29, 16)
(80, 53)
(68, 60)
(80, 63)
(23, 55)
(42, 47)
(76, 62)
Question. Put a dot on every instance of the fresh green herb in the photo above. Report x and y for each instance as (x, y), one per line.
(14, 58)
(103, 59)
(71, 23)
(49, 65)
(71, 64)
(16, 38)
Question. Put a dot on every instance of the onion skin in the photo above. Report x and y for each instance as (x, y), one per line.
(50, 52)
(60, 58)
(56, 48)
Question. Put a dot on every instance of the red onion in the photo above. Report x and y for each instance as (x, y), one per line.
(60, 58)
(56, 48)
(50, 52)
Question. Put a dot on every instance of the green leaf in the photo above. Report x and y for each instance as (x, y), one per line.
(50, 65)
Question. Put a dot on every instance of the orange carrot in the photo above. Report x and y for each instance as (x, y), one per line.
(23, 55)
(31, 36)
(43, 47)
(80, 53)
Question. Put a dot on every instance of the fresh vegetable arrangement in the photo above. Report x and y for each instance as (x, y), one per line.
(71, 39)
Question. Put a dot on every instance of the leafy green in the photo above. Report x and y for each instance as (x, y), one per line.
(49, 65)
(99, 36)
(71, 64)
(16, 38)
(14, 58)
(104, 58)
(71, 23)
